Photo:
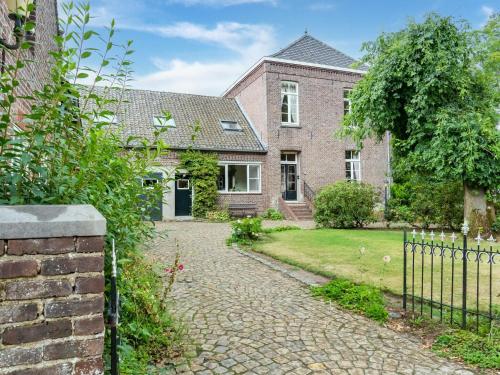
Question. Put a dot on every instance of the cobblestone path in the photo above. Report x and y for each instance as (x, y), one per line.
(247, 318)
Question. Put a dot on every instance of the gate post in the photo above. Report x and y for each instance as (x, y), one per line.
(404, 270)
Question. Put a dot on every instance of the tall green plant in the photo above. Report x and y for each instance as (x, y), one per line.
(67, 151)
(203, 169)
(433, 87)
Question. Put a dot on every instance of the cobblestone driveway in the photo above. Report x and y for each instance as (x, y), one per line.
(247, 318)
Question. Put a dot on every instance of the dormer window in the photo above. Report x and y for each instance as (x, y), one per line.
(163, 122)
(103, 120)
(230, 125)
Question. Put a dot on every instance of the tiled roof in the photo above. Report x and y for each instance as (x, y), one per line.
(311, 50)
(140, 106)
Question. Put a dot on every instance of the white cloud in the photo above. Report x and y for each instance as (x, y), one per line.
(208, 78)
(487, 12)
(222, 3)
(245, 43)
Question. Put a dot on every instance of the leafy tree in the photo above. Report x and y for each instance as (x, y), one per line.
(432, 86)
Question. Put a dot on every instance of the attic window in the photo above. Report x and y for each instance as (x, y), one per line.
(163, 122)
(230, 125)
(105, 120)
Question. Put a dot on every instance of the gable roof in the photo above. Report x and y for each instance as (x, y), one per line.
(307, 51)
(311, 50)
(136, 112)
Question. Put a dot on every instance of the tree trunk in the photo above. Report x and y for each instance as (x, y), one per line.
(475, 212)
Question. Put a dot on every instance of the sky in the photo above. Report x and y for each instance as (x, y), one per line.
(203, 46)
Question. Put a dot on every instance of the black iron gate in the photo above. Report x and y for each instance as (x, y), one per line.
(444, 279)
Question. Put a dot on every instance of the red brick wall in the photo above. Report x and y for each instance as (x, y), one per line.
(51, 306)
(321, 154)
(37, 71)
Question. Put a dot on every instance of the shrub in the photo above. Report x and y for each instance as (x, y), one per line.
(218, 216)
(246, 230)
(476, 350)
(422, 201)
(345, 205)
(272, 214)
(361, 298)
(203, 169)
(495, 227)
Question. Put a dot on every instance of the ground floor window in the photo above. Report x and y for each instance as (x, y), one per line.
(239, 178)
(352, 165)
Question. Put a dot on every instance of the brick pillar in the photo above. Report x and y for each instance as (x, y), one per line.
(51, 290)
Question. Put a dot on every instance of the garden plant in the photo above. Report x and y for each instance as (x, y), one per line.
(65, 151)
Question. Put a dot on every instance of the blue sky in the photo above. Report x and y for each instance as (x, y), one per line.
(202, 46)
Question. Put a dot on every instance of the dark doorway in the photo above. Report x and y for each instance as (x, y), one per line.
(183, 196)
(289, 182)
(155, 209)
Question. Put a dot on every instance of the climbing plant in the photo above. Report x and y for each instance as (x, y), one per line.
(203, 169)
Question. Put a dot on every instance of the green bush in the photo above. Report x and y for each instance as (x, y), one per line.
(475, 350)
(246, 230)
(495, 227)
(272, 214)
(218, 216)
(422, 201)
(345, 205)
(204, 170)
(361, 298)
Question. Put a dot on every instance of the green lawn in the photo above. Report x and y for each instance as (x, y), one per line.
(336, 252)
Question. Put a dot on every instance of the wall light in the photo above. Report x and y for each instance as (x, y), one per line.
(18, 12)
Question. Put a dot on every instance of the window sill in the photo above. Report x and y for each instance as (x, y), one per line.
(239, 193)
(284, 125)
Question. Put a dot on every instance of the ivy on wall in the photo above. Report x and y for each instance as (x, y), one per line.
(203, 169)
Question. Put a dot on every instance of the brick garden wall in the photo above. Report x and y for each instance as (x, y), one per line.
(51, 306)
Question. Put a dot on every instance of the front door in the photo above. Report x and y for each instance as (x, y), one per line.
(154, 211)
(289, 182)
(183, 196)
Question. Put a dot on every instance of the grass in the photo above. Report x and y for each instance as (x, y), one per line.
(336, 253)
(365, 299)
(480, 351)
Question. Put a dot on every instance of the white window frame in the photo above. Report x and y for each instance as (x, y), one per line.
(296, 93)
(352, 161)
(247, 164)
(346, 100)
(163, 122)
(224, 124)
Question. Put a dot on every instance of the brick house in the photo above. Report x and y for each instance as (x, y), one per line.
(37, 70)
(273, 131)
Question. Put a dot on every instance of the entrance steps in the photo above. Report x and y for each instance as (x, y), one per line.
(299, 211)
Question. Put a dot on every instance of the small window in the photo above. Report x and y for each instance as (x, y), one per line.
(183, 184)
(105, 120)
(347, 101)
(230, 125)
(352, 165)
(163, 122)
(289, 103)
(149, 183)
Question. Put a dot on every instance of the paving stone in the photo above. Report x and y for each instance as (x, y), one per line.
(246, 317)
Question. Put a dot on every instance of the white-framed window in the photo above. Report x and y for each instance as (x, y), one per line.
(289, 103)
(347, 101)
(235, 177)
(230, 125)
(183, 184)
(289, 158)
(163, 122)
(352, 165)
